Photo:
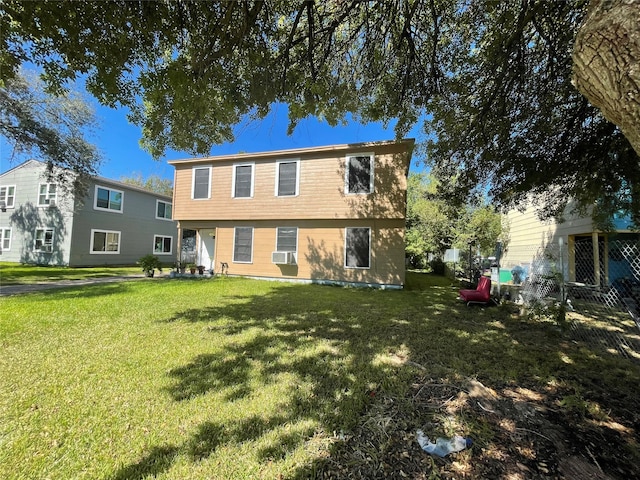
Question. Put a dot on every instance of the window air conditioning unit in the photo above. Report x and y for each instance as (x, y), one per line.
(283, 258)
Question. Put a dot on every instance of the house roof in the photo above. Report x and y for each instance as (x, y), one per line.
(128, 186)
(26, 163)
(96, 179)
(341, 148)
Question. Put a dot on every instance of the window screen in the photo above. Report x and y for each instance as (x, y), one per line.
(357, 248)
(242, 186)
(287, 178)
(242, 245)
(359, 174)
(201, 182)
(287, 239)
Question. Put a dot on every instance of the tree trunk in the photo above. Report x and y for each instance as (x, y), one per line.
(606, 63)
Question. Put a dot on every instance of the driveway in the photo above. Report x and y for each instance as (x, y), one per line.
(7, 290)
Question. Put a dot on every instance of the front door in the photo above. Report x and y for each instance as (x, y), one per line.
(207, 248)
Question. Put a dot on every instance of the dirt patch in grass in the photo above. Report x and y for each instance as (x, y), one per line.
(518, 433)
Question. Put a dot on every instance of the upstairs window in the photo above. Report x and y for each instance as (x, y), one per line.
(357, 247)
(163, 210)
(359, 174)
(8, 196)
(47, 194)
(201, 186)
(287, 239)
(243, 181)
(44, 240)
(243, 244)
(108, 199)
(287, 179)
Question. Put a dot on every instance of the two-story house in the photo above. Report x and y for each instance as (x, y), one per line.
(333, 214)
(113, 224)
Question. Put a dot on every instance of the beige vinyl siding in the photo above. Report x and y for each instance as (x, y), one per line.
(525, 228)
(320, 254)
(321, 191)
(528, 234)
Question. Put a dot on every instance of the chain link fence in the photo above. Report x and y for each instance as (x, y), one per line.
(597, 280)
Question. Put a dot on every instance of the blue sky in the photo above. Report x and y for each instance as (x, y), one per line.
(118, 140)
(123, 156)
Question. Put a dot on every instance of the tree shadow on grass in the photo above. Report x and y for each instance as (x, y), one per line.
(342, 344)
(155, 462)
(211, 372)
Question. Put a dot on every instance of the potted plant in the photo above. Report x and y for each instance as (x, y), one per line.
(149, 264)
(201, 269)
(192, 268)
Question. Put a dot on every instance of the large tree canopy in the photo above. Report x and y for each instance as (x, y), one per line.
(493, 78)
(52, 128)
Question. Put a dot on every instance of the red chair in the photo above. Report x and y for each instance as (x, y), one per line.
(481, 295)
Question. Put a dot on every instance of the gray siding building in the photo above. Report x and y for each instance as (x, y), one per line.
(113, 224)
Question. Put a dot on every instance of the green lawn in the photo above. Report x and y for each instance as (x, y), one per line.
(236, 378)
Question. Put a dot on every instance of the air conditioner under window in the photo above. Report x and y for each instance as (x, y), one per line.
(283, 258)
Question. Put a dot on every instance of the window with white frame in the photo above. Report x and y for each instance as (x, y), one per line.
(5, 239)
(43, 240)
(163, 210)
(47, 194)
(108, 199)
(162, 244)
(357, 247)
(8, 195)
(243, 180)
(359, 173)
(105, 242)
(201, 183)
(287, 239)
(287, 178)
(243, 244)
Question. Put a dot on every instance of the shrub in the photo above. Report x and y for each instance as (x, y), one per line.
(437, 266)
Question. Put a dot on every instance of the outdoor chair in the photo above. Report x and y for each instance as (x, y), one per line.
(481, 294)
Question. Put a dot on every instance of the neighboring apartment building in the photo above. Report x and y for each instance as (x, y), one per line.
(587, 255)
(332, 214)
(114, 224)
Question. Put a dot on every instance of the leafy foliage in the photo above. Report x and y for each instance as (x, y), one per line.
(493, 80)
(481, 226)
(434, 225)
(54, 128)
(149, 263)
(153, 183)
(511, 120)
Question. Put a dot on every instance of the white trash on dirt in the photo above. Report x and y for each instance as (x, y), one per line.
(443, 446)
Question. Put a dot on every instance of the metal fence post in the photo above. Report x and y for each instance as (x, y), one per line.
(563, 286)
